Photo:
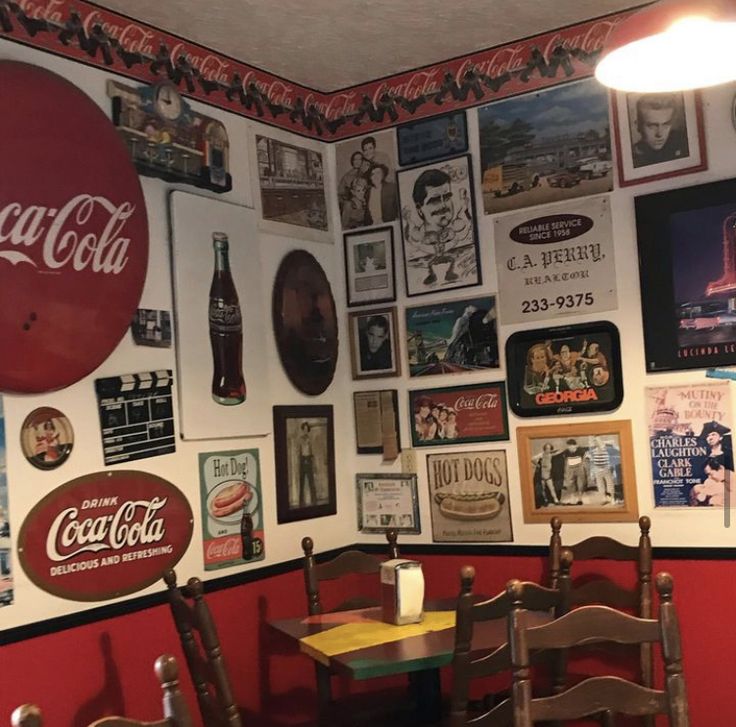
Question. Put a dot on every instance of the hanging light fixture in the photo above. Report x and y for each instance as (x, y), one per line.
(672, 45)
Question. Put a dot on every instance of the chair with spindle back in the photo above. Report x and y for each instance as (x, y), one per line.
(469, 662)
(611, 694)
(176, 712)
(347, 563)
(203, 653)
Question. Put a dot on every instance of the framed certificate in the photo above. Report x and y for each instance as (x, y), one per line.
(386, 502)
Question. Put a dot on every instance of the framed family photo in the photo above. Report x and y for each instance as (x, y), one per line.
(458, 414)
(304, 448)
(687, 276)
(579, 472)
(374, 343)
(658, 135)
(369, 266)
(565, 370)
(388, 501)
(439, 228)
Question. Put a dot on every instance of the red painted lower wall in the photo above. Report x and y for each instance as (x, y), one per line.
(80, 674)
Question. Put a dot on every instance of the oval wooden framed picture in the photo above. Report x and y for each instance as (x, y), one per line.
(305, 322)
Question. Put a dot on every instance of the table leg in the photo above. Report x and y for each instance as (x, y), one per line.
(426, 692)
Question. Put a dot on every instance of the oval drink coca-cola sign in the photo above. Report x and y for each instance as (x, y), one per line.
(551, 228)
(73, 232)
(105, 535)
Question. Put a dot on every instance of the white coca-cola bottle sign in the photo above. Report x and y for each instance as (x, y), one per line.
(73, 232)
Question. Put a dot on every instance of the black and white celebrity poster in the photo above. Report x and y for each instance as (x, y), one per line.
(558, 263)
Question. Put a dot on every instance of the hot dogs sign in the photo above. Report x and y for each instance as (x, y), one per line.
(232, 515)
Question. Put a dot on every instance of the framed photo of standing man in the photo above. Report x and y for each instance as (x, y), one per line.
(374, 347)
(304, 448)
(658, 135)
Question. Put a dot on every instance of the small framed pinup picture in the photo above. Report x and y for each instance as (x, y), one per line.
(580, 472)
(388, 501)
(452, 336)
(658, 135)
(458, 414)
(369, 266)
(304, 448)
(438, 226)
(566, 370)
(374, 343)
(687, 275)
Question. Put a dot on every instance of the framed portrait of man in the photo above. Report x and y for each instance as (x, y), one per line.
(438, 226)
(304, 447)
(658, 135)
(374, 345)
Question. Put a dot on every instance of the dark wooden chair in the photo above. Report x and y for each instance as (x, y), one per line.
(469, 663)
(202, 650)
(176, 712)
(350, 562)
(612, 694)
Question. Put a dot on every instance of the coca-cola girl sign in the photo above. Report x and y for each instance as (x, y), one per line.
(458, 414)
(73, 232)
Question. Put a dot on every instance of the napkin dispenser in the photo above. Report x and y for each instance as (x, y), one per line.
(402, 591)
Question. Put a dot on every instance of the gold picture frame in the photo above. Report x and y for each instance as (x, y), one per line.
(579, 472)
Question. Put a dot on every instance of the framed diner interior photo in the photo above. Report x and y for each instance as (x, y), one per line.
(370, 275)
(687, 275)
(658, 135)
(580, 472)
(304, 448)
(566, 370)
(374, 343)
(388, 501)
(458, 414)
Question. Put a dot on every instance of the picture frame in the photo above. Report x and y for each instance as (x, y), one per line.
(672, 144)
(464, 414)
(305, 322)
(469, 497)
(582, 472)
(370, 271)
(374, 343)
(571, 369)
(452, 336)
(686, 289)
(388, 501)
(431, 139)
(530, 157)
(290, 178)
(377, 429)
(305, 483)
(439, 234)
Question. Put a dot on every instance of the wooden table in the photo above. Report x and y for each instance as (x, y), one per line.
(419, 656)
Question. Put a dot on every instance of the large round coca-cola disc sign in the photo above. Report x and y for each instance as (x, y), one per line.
(73, 232)
(104, 535)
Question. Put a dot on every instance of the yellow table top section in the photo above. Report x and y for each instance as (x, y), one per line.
(354, 636)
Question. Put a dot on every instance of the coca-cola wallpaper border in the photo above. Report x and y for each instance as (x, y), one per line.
(84, 32)
(105, 535)
(458, 414)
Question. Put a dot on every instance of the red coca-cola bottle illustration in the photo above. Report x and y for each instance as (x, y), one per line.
(226, 329)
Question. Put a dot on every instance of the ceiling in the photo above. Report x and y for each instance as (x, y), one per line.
(331, 44)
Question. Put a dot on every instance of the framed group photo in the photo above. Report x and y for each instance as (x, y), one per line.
(388, 501)
(579, 472)
(687, 274)
(439, 228)
(369, 266)
(565, 370)
(374, 343)
(304, 448)
(658, 135)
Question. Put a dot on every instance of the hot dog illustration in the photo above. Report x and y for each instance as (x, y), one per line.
(230, 499)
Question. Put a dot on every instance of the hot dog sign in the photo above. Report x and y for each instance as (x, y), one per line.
(232, 515)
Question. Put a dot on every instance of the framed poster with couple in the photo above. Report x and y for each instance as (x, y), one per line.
(581, 472)
(439, 229)
(304, 447)
(658, 135)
